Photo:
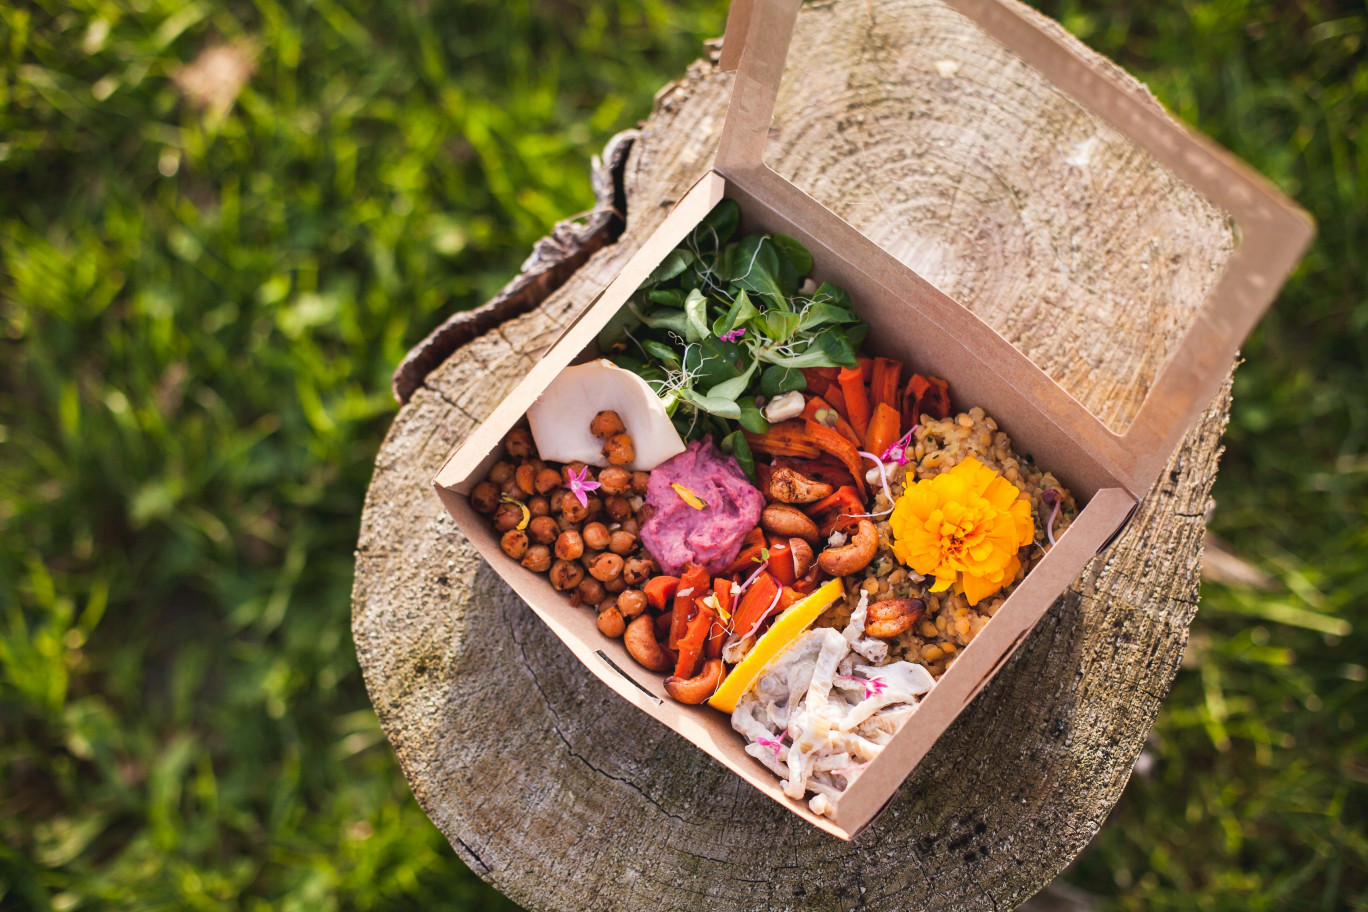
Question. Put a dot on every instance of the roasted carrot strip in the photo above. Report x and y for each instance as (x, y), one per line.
(755, 604)
(788, 597)
(833, 513)
(819, 378)
(928, 396)
(810, 581)
(883, 386)
(717, 633)
(781, 561)
(866, 369)
(691, 643)
(659, 590)
(693, 585)
(830, 441)
(787, 438)
(856, 400)
(751, 546)
(817, 404)
(883, 429)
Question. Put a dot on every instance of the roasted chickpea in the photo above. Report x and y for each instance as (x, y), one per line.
(616, 585)
(501, 472)
(617, 507)
(519, 444)
(526, 476)
(543, 530)
(596, 536)
(637, 570)
(622, 543)
(537, 559)
(547, 480)
(640, 482)
(566, 575)
(591, 591)
(485, 497)
(605, 424)
(606, 567)
(573, 511)
(538, 506)
(510, 489)
(615, 480)
(514, 543)
(619, 450)
(610, 622)
(630, 524)
(507, 516)
(631, 602)
(569, 546)
(557, 499)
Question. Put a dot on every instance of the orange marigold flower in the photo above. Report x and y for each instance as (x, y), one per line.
(963, 527)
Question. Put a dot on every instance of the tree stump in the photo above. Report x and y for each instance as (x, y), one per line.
(1027, 209)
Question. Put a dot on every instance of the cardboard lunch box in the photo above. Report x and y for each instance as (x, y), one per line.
(910, 320)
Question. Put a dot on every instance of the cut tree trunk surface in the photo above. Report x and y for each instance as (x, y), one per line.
(924, 134)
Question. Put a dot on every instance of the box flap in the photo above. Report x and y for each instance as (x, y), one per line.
(1271, 232)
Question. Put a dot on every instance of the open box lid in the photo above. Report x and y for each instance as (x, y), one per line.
(1271, 232)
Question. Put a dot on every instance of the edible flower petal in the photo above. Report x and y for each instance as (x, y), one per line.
(526, 513)
(897, 453)
(964, 527)
(733, 335)
(772, 744)
(689, 497)
(872, 686)
(580, 487)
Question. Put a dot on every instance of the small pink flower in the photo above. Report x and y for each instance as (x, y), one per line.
(897, 453)
(733, 335)
(872, 687)
(580, 487)
(773, 745)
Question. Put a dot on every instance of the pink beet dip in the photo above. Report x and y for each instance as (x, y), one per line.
(677, 533)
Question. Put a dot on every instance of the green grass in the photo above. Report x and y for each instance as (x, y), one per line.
(198, 317)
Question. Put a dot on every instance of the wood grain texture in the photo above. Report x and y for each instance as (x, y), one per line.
(564, 797)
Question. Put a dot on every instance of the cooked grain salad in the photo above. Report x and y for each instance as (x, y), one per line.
(950, 623)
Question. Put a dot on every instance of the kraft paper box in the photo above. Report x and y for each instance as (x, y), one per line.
(911, 321)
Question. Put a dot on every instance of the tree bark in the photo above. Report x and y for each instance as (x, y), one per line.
(1078, 248)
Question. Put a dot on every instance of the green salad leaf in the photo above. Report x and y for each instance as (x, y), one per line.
(723, 324)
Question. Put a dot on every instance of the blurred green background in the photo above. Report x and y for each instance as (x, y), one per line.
(224, 222)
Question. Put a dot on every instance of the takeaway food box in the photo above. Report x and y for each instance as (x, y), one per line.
(1107, 472)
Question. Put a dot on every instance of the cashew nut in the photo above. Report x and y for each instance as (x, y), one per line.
(792, 487)
(640, 640)
(789, 522)
(785, 406)
(698, 688)
(802, 556)
(853, 556)
(891, 617)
